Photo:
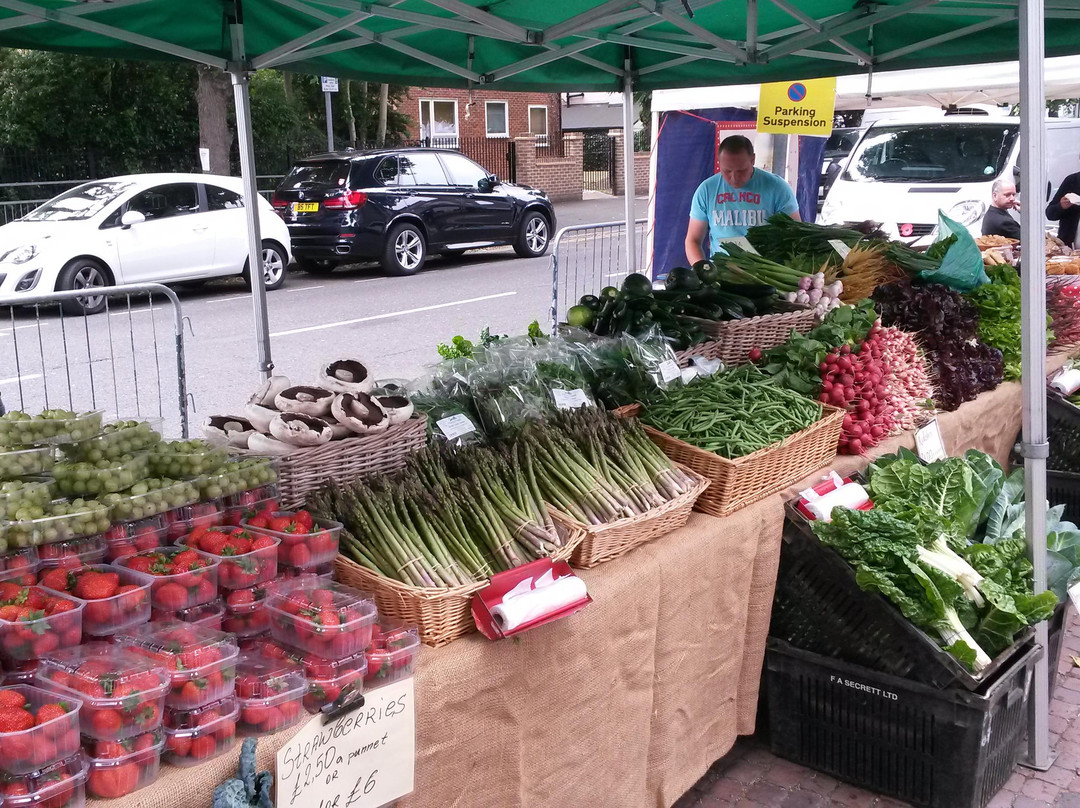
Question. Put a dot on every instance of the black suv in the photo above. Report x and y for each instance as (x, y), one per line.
(398, 206)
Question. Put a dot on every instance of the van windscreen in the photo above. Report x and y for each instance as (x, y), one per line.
(960, 152)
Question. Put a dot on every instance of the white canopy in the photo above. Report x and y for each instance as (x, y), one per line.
(937, 87)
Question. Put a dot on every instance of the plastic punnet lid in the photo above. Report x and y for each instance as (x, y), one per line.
(117, 439)
(22, 560)
(200, 720)
(49, 426)
(316, 668)
(149, 497)
(314, 600)
(184, 459)
(62, 519)
(237, 476)
(16, 463)
(50, 787)
(261, 677)
(161, 562)
(73, 552)
(186, 649)
(103, 674)
(102, 754)
(24, 499)
(101, 477)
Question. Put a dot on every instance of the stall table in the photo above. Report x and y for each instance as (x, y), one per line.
(627, 703)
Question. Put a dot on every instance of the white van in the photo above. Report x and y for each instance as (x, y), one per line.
(902, 172)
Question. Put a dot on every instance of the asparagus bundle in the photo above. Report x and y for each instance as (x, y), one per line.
(448, 519)
(597, 468)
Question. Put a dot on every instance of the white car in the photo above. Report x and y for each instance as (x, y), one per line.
(142, 228)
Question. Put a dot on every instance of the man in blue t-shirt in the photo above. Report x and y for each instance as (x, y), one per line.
(735, 199)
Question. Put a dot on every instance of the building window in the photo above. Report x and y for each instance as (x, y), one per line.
(495, 117)
(439, 122)
(538, 124)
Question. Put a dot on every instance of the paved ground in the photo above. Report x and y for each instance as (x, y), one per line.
(392, 323)
(751, 777)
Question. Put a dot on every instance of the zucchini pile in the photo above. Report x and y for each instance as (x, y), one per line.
(704, 292)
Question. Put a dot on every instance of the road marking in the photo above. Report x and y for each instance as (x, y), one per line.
(615, 274)
(14, 379)
(369, 280)
(134, 311)
(304, 288)
(389, 314)
(227, 299)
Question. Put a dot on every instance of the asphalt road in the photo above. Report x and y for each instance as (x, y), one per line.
(124, 361)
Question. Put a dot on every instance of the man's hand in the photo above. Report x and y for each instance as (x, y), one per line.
(696, 231)
(1066, 203)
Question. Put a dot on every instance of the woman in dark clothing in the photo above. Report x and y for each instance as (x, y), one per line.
(1064, 210)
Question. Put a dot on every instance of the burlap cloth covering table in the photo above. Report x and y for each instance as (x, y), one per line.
(627, 703)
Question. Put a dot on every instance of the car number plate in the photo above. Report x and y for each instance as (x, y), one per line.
(305, 207)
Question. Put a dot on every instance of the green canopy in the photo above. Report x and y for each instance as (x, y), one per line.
(536, 45)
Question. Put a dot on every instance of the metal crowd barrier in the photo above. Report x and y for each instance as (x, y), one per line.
(587, 257)
(128, 360)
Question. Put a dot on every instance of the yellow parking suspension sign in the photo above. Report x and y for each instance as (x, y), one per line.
(797, 107)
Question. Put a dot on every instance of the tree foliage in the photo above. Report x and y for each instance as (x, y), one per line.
(133, 115)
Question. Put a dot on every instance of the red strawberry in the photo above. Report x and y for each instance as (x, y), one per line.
(15, 719)
(106, 723)
(11, 698)
(59, 579)
(113, 781)
(93, 585)
(146, 538)
(171, 597)
(240, 597)
(203, 747)
(213, 541)
(140, 563)
(179, 745)
(47, 712)
(299, 555)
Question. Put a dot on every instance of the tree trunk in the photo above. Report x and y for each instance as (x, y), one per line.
(215, 133)
(362, 132)
(350, 117)
(384, 99)
(286, 79)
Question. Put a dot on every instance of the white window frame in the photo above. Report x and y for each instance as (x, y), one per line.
(541, 139)
(431, 116)
(506, 120)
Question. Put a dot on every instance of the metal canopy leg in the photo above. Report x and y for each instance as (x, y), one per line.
(628, 166)
(242, 99)
(1033, 344)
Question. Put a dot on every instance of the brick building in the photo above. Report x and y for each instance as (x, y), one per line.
(446, 114)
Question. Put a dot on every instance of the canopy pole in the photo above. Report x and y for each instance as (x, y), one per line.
(1033, 346)
(242, 100)
(628, 165)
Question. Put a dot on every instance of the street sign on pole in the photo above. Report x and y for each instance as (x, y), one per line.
(329, 84)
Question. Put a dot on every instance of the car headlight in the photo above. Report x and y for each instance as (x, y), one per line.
(20, 255)
(967, 212)
(28, 281)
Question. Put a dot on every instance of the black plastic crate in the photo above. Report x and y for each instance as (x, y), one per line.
(1055, 629)
(819, 607)
(937, 748)
(1063, 488)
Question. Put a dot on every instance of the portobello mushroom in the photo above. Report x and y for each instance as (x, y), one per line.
(228, 430)
(260, 416)
(304, 400)
(361, 413)
(268, 390)
(397, 408)
(346, 376)
(266, 445)
(298, 429)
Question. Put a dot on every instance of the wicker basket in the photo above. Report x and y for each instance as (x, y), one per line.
(710, 349)
(605, 542)
(306, 470)
(737, 338)
(745, 480)
(440, 615)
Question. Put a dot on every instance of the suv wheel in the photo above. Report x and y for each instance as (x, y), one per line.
(533, 236)
(405, 250)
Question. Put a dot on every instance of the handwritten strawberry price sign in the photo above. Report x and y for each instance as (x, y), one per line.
(364, 759)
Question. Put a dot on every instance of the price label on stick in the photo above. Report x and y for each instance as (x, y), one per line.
(1074, 594)
(929, 444)
(841, 248)
(364, 759)
(570, 399)
(670, 370)
(454, 426)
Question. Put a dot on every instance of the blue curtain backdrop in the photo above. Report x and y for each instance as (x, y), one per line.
(686, 151)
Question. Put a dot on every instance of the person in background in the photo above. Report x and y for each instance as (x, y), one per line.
(736, 198)
(997, 221)
(1064, 207)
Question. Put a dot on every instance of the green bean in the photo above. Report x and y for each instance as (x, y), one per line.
(732, 414)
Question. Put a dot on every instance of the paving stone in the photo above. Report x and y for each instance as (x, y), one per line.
(1071, 800)
(767, 793)
(1003, 799)
(687, 800)
(786, 774)
(1026, 802)
(1015, 782)
(804, 799)
(1058, 775)
(1040, 790)
(852, 797)
(821, 784)
(725, 789)
(745, 772)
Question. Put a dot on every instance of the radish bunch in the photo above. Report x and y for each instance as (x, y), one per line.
(907, 380)
(857, 380)
(814, 292)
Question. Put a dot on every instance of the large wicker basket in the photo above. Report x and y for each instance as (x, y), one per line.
(736, 338)
(306, 470)
(753, 477)
(606, 542)
(440, 615)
